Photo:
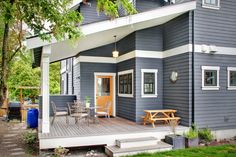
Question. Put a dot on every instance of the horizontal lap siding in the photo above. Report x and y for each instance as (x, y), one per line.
(216, 27)
(147, 5)
(150, 39)
(126, 107)
(148, 103)
(215, 109)
(178, 95)
(90, 13)
(127, 44)
(87, 71)
(176, 32)
(76, 78)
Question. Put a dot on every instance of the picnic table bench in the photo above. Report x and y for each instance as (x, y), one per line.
(166, 115)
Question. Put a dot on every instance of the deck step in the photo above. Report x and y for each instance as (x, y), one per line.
(115, 151)
(136, 142)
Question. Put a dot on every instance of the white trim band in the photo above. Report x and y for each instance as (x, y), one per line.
(154, 54)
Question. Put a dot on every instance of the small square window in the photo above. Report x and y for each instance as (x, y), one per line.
(210, 78)
(125, 83)
(149, 82)
(231, 78)
(211, 4)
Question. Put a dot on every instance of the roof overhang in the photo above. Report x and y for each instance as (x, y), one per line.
(101, 33)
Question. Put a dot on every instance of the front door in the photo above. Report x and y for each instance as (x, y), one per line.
(104, 91)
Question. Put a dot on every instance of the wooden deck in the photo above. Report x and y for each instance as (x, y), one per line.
(103, 133)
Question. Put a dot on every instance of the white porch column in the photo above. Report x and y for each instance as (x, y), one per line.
(45, 88)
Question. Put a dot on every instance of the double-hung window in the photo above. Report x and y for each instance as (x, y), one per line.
(211, 4)
(231, 78)
(149, 83)
(125, 81)
(210, 77)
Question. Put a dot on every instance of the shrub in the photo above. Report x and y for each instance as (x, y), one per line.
(30, 137)
(60, 151)
(205, 134)
(192, 133)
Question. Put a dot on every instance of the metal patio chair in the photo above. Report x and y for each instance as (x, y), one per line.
(78, 112)
(59, 111)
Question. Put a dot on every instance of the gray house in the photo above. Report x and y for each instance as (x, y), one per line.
(171, 56)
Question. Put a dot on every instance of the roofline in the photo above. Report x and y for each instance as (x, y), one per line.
(101, 26)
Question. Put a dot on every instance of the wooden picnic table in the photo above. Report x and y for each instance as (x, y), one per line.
(151, 116)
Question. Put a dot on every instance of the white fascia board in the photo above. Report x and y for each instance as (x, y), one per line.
(35, 42)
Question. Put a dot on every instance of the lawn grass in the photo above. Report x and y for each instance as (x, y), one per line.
(211, 151)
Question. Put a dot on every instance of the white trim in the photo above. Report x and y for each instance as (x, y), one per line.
(217, 68)
(228, 78)
(142, 81)
(209, 6)
(63, 70)
(122, 73)
(114, 89)
(92, 59)
(136, 19)
(153, 54)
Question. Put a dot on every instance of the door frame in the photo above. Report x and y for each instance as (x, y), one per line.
(114, 89)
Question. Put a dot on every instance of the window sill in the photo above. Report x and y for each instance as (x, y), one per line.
(210, 88)
(211, 7)
(126, 95)
(149, 96)
(231, 88)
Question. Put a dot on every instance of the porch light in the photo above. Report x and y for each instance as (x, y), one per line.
(115, 53)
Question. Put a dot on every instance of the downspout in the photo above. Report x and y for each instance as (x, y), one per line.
(67, 78)
(72, 75)
(193, 79)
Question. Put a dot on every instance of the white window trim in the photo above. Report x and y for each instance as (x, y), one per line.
(122, 73)
(211, 6)
(217, 68)
(142, 82)
(228, 72)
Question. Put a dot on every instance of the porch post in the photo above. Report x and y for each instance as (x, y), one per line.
(45, 88)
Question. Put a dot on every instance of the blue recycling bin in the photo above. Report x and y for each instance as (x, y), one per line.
(32, 118)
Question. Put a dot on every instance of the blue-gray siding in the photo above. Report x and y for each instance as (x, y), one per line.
(76, 78)
(148, 103)
(147, 5)
(126, 107)
(60, 101)
(216, 26)
(178, 95)
(149, 39)
(176, 32)
(214, 109)
(87, 71)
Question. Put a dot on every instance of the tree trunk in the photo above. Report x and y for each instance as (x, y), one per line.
(3, 85)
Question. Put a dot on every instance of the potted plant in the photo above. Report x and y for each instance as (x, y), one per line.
(87, 101)
(191, 137)
(177, 141)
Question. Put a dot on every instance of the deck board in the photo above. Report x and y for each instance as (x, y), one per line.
(105, 127)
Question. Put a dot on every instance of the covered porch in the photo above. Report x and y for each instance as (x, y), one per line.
(104, 132)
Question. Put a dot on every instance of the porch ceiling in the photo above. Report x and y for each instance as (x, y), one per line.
(101, 33)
